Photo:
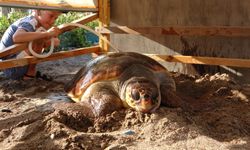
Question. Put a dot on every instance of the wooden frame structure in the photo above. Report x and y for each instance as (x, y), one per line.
(100, 12)
(101, 9)
(180, 31)
(66, 5)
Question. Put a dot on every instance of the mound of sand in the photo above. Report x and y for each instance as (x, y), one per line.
(36, 114)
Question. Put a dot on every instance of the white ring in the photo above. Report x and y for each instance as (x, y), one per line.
(42, 55)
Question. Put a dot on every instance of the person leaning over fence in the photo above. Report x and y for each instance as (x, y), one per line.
(24, 30)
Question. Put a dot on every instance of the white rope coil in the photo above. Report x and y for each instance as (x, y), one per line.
(52, 41)
(45, 54)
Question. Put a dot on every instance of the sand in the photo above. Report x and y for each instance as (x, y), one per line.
(36, 114)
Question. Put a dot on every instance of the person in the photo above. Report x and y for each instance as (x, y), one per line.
(24, 30)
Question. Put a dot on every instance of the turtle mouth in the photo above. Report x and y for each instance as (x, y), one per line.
(147, 110)
(146, 106)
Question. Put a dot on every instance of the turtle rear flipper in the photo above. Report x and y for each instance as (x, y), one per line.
(102, 99)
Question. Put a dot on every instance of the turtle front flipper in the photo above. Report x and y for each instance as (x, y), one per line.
(168, 90)
(169, 96)
(171, 99)
(101, 98)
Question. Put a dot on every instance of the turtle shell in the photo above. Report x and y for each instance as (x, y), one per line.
(107, 67)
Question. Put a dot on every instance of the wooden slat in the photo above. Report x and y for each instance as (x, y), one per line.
(96, 49)
(64, 5)
(197, 60)
(104, 21)
(202, 60)
(59, 55)
(181, 31)
(64, 27)
(13, 49)
(84, 20)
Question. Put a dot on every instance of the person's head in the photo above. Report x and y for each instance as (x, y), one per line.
(46, 18)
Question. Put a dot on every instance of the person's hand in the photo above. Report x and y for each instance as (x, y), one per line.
(48, 42)
(56, 42)
(54, 32)
(38, 45)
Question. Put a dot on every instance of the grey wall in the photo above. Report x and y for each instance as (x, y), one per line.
(184, 13)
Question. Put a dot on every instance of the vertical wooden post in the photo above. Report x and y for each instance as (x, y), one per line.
(104, 21)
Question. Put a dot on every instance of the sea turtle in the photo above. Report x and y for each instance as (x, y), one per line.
(126, 79)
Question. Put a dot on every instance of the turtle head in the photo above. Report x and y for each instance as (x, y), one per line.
(142, 95)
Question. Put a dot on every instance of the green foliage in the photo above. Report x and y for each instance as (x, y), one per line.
(75, 38)
(13, 16)
(4, 24)
(69, 17)
(6, 21)
(72, 39)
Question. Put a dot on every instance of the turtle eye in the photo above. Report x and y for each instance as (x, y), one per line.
(135, 95)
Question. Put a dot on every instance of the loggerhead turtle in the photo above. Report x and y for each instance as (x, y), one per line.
(127, 79)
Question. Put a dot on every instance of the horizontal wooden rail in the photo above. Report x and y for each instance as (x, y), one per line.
(64, 27)
(13, 49)
(227, 31)
(63, 5)
(96, 49)
(58, 55)
(234, 62)
(84, 20)
(202, 60)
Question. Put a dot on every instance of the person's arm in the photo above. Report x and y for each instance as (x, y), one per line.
(23, 36)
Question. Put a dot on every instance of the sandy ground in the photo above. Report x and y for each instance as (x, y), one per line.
(37, 114)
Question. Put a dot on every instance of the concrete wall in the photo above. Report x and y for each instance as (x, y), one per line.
(184, 13)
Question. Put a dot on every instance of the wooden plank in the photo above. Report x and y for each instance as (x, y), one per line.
(104, 21)
(233, 31)
(202, 60)
(84, 20)
(59, 55)
(13, 49)
(64, 5)
(235, 62)
(64, 27)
